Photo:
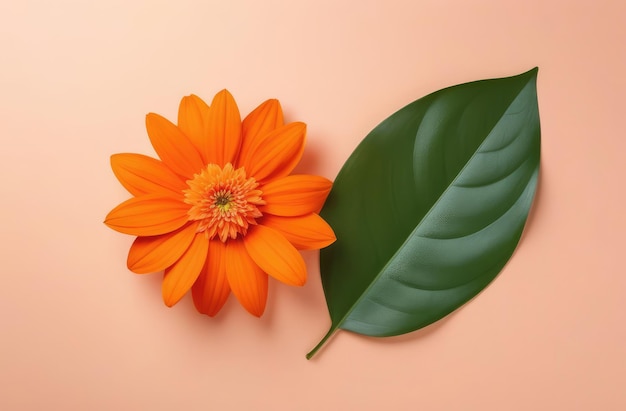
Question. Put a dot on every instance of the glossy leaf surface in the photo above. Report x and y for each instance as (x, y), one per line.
(430, 206)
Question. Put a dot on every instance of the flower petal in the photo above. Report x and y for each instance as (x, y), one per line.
(156, 253)
(246, 279)
(275, 255)
(150, 214)
(308, 232)
(141, 174)
(172, 146)
(266, 117)
(211, 289)
(193, 120)
(275, 154)
(262, 120)
(295, 195)
(180, 277)
(224, 129)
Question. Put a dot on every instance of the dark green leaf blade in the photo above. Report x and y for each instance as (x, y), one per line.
(430, 206)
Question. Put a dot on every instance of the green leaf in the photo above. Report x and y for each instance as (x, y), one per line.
(430, 206)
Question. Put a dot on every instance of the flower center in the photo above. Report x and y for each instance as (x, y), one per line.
(224, 201)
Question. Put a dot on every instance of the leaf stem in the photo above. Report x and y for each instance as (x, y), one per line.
(321, 343)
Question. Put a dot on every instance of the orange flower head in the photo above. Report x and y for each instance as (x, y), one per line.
(224, 201)
(219, 210)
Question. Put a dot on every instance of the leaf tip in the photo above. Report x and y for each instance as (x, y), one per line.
(532, 72)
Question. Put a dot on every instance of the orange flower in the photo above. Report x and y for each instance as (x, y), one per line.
(219, 211)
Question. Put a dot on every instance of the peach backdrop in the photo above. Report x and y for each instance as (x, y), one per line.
(80, 332)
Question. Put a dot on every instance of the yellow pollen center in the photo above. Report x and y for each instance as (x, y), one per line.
(224, 201)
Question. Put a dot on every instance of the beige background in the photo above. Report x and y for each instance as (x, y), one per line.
(80, 332)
